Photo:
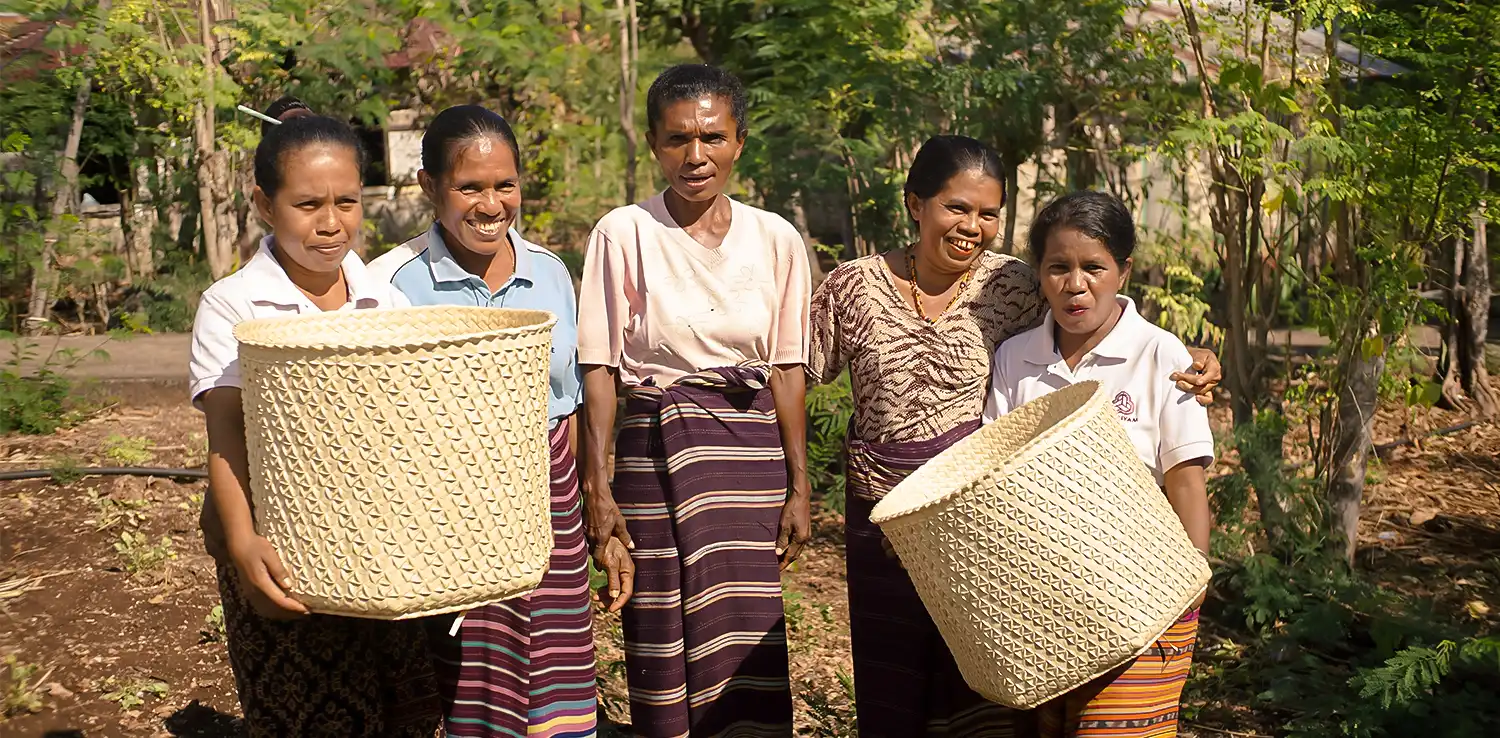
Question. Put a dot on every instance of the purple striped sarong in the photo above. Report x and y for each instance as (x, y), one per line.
(906, 684)
(525, 667)
(700, 478)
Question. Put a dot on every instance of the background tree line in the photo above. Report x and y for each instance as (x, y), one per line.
(1325, 164)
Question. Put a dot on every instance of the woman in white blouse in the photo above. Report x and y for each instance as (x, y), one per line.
(297, 674)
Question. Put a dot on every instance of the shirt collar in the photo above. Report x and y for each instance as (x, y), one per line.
(446, 269)
(274, 286)
(1121, 343)
(1041, 347)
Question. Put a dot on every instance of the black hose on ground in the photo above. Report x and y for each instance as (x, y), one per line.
(103, 471)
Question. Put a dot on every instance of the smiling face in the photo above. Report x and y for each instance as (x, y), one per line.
(696, 143)
(479, 198)
(1080, 280)
(316, 212)
(959, 220)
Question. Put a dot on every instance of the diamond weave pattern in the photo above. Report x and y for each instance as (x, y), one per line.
(1043, 548)
(399, 458)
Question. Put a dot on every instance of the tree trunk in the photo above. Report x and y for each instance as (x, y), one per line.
(1449, 364)
(1238, 361)
(223, 169)
(1012, 193)
(1082, 172)
(140, 218)
(627, 91)
(220, 260)
(1353, 429)
(44, 277)
(1474, 315)
(799, 220)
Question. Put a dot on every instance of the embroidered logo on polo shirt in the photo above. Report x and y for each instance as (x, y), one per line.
(1125, 406)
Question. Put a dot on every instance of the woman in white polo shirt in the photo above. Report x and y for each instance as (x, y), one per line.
(297, 674)
(1082, 244)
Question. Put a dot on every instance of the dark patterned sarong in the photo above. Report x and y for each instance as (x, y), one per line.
(328, 675)
(700, 478)
(525, 666)
(906, 684)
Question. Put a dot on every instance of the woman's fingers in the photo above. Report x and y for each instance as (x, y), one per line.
(281, 606)
(621, 574)
(278, 572)
(612, 576)
(621, 533)
(627, 584)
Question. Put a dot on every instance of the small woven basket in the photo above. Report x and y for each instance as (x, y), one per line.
(1043, 548)
(399, 460)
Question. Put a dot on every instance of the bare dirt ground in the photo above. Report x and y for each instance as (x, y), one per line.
(107, 599)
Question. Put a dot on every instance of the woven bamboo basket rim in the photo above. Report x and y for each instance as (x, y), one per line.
(1078, 416)
(314, 332)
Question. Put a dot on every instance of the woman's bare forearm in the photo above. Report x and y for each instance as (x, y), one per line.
(228, 462)
(789, 392)
(1187, 491)
(597, 438)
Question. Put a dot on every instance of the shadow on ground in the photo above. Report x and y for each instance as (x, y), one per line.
(198, 720)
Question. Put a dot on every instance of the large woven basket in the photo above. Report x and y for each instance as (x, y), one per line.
(1043, 548)
(399, 460)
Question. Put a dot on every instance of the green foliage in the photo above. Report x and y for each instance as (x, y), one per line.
(831, 716)
(829, 409)
(113, 511)
(573, 260)
(170, 301)
(36, 394)
(1408, 675)
(213, 630)
(22, 693)
(130, 693)
(128, 450)
(141, 555)
(1323, 648)
(66, 470)
(1181, 306)
(34, 403)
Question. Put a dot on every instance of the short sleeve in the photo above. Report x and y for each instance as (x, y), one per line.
(828, 349)
(1185, 434)
(214, 359)
(997, 402)
(794, 287)
(570, 377)
(603, 307)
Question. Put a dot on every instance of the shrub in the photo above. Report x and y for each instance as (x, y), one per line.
(35, 404)
(829, 409)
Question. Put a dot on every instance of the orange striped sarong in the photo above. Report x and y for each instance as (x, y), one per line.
(1141, 700)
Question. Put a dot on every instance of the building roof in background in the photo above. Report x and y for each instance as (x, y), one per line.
(23, 46)
(1311, 43)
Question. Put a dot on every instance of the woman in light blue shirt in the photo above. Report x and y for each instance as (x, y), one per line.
(524, 666)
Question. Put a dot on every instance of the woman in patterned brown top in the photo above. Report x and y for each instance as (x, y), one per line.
(916, 328)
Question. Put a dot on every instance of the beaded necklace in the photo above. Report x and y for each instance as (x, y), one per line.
(916, 292)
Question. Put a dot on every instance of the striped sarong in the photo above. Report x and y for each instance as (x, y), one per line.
(525, 667)
(906, 684)
(1140, 700)
(700, 478)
